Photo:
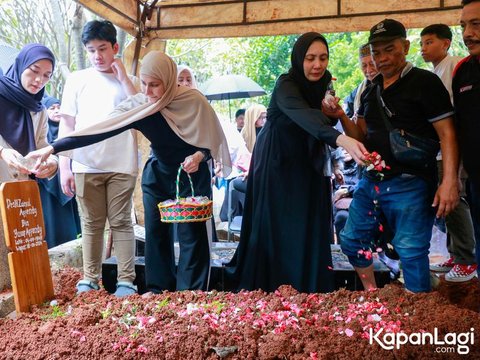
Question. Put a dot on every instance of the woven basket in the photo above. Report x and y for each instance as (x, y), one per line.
(183, 211)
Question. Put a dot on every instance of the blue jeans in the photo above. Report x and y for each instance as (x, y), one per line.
(405, 201)
(475, 211)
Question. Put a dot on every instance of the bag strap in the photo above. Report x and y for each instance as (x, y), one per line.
(383, 109)
(177, 183)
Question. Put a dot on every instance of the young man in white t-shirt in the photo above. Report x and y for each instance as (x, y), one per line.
(435, 42)
(102, 175)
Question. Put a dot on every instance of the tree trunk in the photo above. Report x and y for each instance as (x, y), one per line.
(121, 37)
(77, 25)
(59, 31)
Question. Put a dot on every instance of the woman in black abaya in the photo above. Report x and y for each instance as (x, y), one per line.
(287, 222)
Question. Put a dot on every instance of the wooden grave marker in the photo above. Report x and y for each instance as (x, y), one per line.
(24, 229)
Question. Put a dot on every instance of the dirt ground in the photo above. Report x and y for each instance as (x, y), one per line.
(247, 325)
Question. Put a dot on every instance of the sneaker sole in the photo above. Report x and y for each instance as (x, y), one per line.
(461, 279)
(441, 269)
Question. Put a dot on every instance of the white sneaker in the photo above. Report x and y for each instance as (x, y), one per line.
(444, 266)
(461, 273)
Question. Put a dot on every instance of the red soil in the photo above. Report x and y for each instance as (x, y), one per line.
(248, 325)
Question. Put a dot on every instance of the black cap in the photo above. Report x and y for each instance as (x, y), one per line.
(387, 30)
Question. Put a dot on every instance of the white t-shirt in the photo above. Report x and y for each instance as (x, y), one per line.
(444, 71)
(89, 96)
(236, 147)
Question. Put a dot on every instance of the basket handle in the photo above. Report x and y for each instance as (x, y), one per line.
(178, 183)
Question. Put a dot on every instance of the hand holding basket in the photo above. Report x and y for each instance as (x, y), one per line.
(183, 210)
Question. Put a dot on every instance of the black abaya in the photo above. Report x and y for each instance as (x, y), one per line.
(287, 223)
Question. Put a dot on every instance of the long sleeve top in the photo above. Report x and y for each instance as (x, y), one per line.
(165, 144)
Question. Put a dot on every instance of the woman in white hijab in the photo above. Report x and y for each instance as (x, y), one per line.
(183, 129)
(186, 77)
(255, 118)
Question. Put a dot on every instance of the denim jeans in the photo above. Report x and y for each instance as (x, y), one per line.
(475, 211)
(405, 202)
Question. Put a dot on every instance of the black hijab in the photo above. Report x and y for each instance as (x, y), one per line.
(52, 134)
(16, 125)
(313, 91)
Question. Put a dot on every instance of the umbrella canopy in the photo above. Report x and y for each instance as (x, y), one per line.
(7, 56)
(228, 87)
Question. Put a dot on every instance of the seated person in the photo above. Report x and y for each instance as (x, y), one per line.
(240, 119)
(343, 191)
(342, 198)
(240, 157)
(255, 117)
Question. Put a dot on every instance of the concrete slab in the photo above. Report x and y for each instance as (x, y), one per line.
(67, 254)
(7, 303)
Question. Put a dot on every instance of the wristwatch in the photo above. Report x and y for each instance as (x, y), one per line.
(206, 155)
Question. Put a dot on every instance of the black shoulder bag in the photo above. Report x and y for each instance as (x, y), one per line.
(407, 148)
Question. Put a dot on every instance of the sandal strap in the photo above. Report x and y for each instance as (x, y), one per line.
(126, 284)
(88, 283)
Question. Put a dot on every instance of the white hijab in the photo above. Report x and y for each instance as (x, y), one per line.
(249, 131)
(181, 68)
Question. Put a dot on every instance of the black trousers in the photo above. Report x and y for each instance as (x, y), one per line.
(158, 184)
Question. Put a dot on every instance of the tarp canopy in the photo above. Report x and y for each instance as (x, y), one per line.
(174, 19)
(152, 22)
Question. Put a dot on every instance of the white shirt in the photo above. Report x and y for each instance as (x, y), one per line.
(89, 96)
(444, 71)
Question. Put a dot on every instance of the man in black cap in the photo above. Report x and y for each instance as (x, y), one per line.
(416, 101)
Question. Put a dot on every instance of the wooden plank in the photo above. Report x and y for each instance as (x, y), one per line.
(121, 13)
(362, 6)
(283, 9)
(448, 3)
(191, 2)
(345, 24)
(24, 236)
(225, 18)
(194, 15)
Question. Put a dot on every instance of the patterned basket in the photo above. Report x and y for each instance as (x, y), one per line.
(182, 210)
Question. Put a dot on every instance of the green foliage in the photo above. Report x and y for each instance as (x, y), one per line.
(161, 304)
(56, 312)
(216, 306)
(343, 62)
(264, 58)
(106, 313)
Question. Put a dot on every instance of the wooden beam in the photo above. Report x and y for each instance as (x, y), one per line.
(327, 25)
(177, 19)
(121, 13)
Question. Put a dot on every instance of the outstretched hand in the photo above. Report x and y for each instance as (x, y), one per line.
(14, 160)
(40, 156)
(332, 108)
(46, 168)
(354, 147)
